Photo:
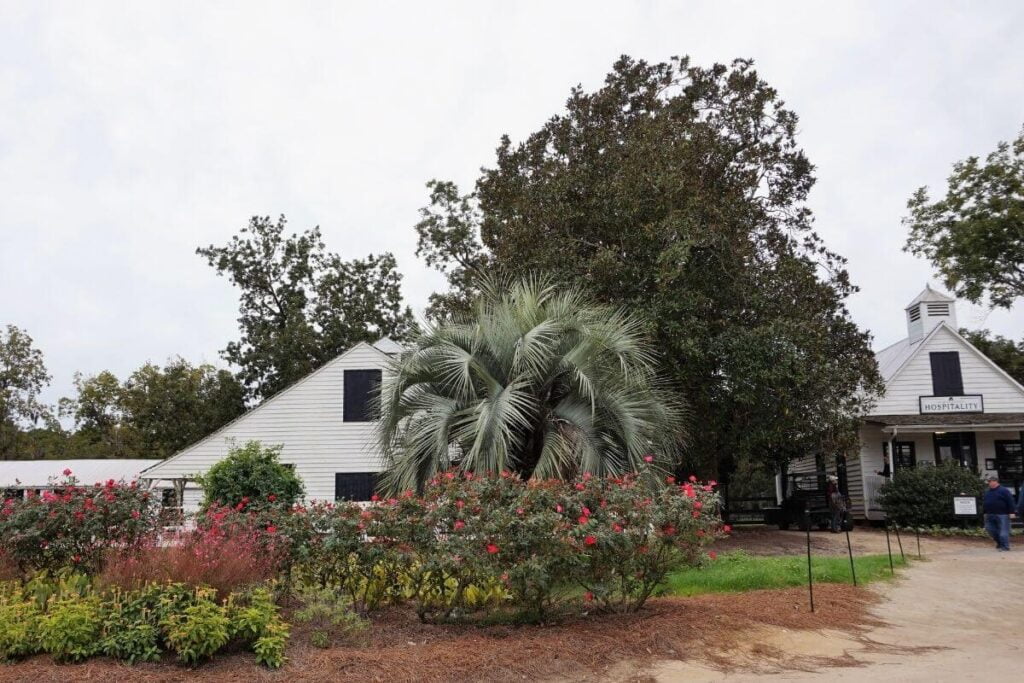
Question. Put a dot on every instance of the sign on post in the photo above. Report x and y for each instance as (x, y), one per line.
(965, 506)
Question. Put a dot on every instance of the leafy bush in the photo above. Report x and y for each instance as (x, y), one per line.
(74, 525)
(251, 473)
(70, 618)
(474, 544)
(197, 632)
(71, 628)
(19, 622)
(923, 496)
(330, 615)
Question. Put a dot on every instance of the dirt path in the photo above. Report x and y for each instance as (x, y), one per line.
(957, 616)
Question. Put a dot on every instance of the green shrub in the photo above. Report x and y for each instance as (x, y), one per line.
(251, 475)
(330, 615)
(923, 496)
(19, 622)
(198, 632)
(130, 627)
(71, 628)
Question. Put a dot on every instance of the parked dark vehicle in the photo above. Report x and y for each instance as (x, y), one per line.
(805, 503)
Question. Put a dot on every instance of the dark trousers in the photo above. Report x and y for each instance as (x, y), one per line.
(998, 527)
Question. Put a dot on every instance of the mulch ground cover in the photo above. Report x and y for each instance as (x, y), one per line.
(398, 647)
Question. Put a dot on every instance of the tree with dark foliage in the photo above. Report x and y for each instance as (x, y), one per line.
(302, 305)
(678, 192)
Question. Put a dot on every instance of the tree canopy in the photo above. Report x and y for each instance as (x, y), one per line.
(23, 376)
(678, 192)
(974, 235)
(155, 412)
(1006, 353)
(301, 305)
(536, 380)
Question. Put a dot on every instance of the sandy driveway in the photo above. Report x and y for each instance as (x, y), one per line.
(957, 616)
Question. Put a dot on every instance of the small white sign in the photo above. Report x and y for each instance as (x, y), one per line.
(965, 506)
(952, 404)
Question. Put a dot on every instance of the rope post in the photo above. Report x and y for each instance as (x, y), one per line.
(900, 542)
(810, 579)
(888, 545)
(917, 530)
(849, 549)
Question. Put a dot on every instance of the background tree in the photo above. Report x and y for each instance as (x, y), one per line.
(252, 472)
(536, 381)
(679, 193)
(974, 236)
(172, 407)
(302, 305)
(1005, 353)
(23, 376)
(154, 413)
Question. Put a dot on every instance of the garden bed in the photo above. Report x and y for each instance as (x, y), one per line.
(398, 646)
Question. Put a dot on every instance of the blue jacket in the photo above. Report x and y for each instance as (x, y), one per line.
(999, 501)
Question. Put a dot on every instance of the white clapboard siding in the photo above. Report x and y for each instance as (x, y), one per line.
(306, 419)
(1001, 394)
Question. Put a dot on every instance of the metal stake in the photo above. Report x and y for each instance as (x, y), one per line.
(918, 531)
(902, 556)
(849, 549)
(888, 545)
(810, 579)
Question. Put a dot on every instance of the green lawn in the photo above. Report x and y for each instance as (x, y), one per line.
(738, 571)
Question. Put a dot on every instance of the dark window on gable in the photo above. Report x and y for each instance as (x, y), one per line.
(360, 388)
(357, 486)
(946, 377)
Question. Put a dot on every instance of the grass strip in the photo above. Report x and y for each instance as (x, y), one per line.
(738, 571)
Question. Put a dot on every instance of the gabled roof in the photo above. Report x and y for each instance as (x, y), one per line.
(929, 294)
(388, 345)
(892, 359)
(153, 472)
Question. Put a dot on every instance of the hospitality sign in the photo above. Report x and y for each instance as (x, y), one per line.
(952, 404)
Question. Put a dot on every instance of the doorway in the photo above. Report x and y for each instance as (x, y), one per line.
(958, 447)
(1010, 463)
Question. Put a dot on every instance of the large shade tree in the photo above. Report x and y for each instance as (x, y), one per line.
(536, 380)
(974, 236)
(679, 192)
(301, 305)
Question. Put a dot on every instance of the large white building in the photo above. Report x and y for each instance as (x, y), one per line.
(944, 401)
(323, 422)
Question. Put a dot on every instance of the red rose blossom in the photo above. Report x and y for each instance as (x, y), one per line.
(67, 471)
(459, 524)
(492, 549)
(648, 458)
(590, 540)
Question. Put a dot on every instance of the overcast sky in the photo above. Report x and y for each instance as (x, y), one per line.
(132, 133)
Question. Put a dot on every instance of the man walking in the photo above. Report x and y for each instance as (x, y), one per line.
(998, 505)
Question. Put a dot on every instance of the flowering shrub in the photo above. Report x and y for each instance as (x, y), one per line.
(631, 537)
(471, 543)
(73, 525)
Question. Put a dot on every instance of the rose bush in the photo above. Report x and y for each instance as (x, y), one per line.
(73, 525)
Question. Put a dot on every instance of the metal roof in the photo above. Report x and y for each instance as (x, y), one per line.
(36, 474)
(929, 294)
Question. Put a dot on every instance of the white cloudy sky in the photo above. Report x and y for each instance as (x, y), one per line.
(131, 133)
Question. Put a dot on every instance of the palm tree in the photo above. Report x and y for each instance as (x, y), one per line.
(538, 381)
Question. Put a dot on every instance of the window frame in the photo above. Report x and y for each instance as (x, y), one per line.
(367, 411)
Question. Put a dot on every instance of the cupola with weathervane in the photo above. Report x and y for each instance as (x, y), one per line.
(928, 309)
